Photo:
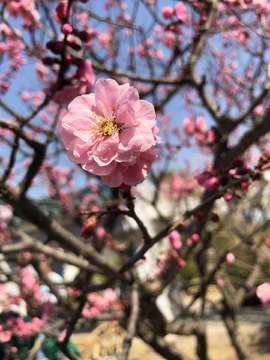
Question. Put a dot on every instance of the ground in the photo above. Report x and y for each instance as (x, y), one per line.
(141, 351)
(254, 325)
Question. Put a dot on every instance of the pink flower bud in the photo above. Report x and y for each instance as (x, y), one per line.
(230, 258)
(68, 59)
(174, 238)
(243, 169)
(267, 241)
(211, 184)
(100, 232)
(167, 12)
(237, 162)
(232, 172)
(201, 178)
(59, 47)
(88, 227)
(195, 237)
(244, 186)
(61, 10)
(66, 29)
(220, 282)
(181, 263)
(227, 197)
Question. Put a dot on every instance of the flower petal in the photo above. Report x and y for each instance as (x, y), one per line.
(106, 93)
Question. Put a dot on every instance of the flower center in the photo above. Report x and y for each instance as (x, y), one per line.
(105, 125)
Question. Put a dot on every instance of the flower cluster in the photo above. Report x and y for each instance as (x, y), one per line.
(97, 304)
(179, 10)
(111, 133)
(178, 186)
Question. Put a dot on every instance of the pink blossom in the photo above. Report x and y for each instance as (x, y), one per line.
(37, 325)
(244, 186)
(3, 47)
(100, 232)
(195, 237)
(5, 336)
(267, 241)
(66, 29)
(230, 258)
(261, 6)
(181, 11)
(263, 293)
(109, 295)
(227, 197)
(211, 184)
(181, 262)
(200, 123)
(220, 282)
(188, 126)
(61, 10)
(174, 238)
(167, 12)
(207, 181)
(111, 133)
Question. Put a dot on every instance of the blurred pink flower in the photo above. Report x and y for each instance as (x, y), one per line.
(195, 237)
(100, 232)
(181, 263)
(188, 126)
(263, 293)
(109, 295)
(111, 133)
(167, 12)
(207, 181)
(5, 336)
(227, 197)
(220, 282)
(181, 11)
(174, 238)
(230, 258)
